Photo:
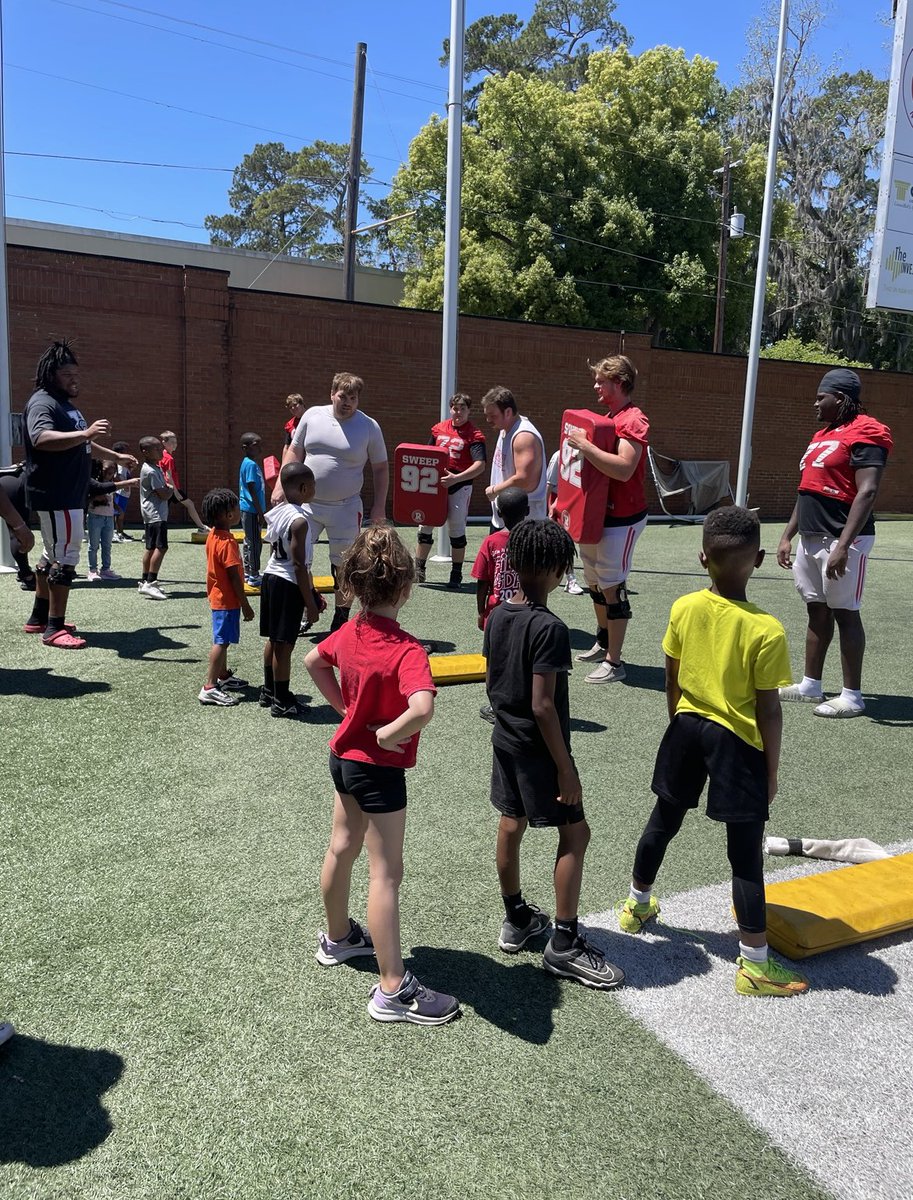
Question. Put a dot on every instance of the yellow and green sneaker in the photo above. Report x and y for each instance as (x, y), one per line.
(633, 917)
(768, 979)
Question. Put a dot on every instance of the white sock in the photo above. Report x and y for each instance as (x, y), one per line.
(853, 697)
(640, 897)
(810, 687)
(755, 954)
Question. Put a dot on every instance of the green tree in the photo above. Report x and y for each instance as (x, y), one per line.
(590, 207)
(793, 349)
(288, 201)
(555, 43)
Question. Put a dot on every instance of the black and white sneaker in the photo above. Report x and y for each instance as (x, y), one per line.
(514, 937)
(215, 695)
(231, 683)
(6, 1031)
(286, 708)
(267, 699)
(487, 713)
(584, 963)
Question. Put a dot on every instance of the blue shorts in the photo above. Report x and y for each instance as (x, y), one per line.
(226, 626)
(120, 502)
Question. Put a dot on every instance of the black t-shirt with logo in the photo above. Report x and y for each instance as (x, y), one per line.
(522, 640)
(55, 479)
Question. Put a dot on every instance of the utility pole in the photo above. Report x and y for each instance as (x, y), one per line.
(6, 558)
(354, 173)
(724, 256)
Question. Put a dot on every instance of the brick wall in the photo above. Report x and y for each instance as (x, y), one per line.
(164, 346)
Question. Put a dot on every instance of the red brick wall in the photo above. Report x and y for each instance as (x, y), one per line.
(166, 346)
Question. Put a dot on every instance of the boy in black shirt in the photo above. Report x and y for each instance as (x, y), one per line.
(534, 779)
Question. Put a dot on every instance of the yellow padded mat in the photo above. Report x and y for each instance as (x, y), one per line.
(457, 668)
(840, 908)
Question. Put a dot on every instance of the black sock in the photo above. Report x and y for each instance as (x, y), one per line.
(456, 571)
(40, 611)
(152, 578)
(518, 911)
(54, 625)
(602, 638)
(281, 691)
(268, 679)
(565, 934)
(145, 577)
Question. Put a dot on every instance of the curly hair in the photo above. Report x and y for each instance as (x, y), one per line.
(217, 503)
(58, 354)
(731, 528)
(377, 567)
(537, 548)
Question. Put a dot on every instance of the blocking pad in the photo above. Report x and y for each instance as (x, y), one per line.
(457, 668)
(840, 908)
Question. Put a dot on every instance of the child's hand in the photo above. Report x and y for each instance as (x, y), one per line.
(247, 611)
(312, 613)
(772, 788)
(570, 791)
(387, 741)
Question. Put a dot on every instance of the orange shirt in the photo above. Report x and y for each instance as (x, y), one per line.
(221, 553)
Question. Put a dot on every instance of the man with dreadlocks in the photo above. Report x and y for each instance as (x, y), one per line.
(533, 777)
(840, 474)
(59, 446)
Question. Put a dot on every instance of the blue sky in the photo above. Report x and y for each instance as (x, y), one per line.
(295, 90)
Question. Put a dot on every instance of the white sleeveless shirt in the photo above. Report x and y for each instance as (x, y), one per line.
(502, 467)
(279, 522)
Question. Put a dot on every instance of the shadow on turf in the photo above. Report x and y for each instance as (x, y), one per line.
(50, 1101)
(42, 684)
(668, 955)
(889, 710)
(140, 643)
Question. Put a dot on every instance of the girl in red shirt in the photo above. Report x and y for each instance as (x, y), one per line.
(385, 696)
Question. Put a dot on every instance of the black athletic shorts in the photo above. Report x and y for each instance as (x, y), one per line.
(528, 787)
(156, 536)
(281, 609)
(377, 789)
(694, 749)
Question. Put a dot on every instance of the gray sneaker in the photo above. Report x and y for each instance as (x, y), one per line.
(596, 654)
(607, 673)
(584, 963)
(414, 1003)
(356, 942)
(514, 937)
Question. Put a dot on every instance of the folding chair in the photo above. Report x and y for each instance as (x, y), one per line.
(700, 484)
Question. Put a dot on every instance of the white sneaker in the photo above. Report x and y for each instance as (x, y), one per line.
(572, 587)
(596, 655)
(93, 576)
(152, 591)
(215, 695)
(118, 537)
(607, 673)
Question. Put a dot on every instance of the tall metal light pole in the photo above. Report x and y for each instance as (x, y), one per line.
(757, 316)
(452, 226)
(6, 450)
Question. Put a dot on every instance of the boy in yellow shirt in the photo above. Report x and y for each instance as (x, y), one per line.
(725, 661)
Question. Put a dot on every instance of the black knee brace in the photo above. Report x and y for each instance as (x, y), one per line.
(621, 609)
(425, 539)
(61, 576)
(458, 543)
(597, 597)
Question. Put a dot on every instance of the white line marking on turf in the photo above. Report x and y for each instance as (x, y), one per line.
(828, 1076)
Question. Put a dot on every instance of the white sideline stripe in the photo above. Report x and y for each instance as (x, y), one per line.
(828, 1076)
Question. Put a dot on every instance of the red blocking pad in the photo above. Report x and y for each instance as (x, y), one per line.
(583, 492)
(270, 471)
(418, 497)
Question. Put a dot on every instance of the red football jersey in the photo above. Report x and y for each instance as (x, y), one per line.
(380, 666)
(456, 440)
(627, 497)
(168, 468)
(826, 467)
(491, 565)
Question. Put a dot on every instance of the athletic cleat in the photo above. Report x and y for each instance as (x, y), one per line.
(455, 582)
(584, 963)
(231, 683)
(793, 693)
(632, 917)
(414, 1003)
(355, 944)
(487, 713)
(514, 937)
(596, 654)
(266, 698)
(607, 672)
(255, 581)
(214, 695)
(118, 537)
(768, 979)
(289, 708)
(152, 591)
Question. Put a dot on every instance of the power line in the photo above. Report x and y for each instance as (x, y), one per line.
(107, 212)
(222, 45)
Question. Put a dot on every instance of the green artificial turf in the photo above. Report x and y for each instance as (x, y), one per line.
(160, 875)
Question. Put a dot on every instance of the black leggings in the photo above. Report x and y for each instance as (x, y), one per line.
(744, 846)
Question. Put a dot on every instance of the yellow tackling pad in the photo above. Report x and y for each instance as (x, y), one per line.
(457, 668)
(840, 908)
